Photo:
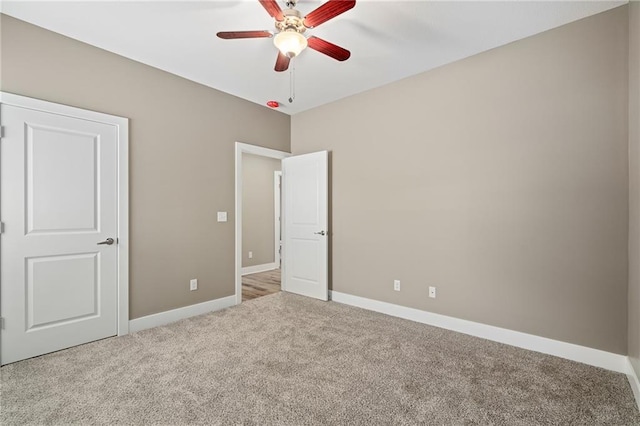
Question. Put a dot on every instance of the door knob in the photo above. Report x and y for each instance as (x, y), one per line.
(108, 241)
(320, 233)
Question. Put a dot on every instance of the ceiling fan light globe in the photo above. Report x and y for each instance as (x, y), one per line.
(290, 43)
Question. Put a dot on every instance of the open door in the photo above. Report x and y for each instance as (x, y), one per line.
(305, 221)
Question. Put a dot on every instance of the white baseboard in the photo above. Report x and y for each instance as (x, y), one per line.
(595, 357)
(634, 382)
(173, 315)
(259, 268)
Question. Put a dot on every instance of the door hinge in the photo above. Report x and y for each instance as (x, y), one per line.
(1, 323)
(1, 132)
(1, 227)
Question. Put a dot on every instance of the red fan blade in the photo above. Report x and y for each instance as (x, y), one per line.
(272, 9)
(329, 10)
(282, 63)
(329, 49)
(228, 35)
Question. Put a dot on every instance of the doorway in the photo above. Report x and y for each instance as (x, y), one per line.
(305, 233)
(260, 226)
(259, 269)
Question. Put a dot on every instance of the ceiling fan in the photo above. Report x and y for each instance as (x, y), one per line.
(289, 38)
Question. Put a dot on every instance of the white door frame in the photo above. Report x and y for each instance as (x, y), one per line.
(277, 177)
(122, 126)
(244, 148)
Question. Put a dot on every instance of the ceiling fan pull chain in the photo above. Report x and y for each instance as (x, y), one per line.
(292, 83)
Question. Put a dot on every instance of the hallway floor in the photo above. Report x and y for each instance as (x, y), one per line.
(260, 284)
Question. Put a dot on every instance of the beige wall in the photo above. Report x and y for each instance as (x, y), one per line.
(500, 179)
(258, 209)
(182, 138)
(634, 185)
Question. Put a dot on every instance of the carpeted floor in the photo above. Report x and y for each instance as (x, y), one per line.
(285, 359)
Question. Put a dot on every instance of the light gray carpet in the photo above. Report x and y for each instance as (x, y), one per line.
(284, 359)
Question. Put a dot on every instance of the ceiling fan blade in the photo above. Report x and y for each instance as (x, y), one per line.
(282, 63)
(329, 49)
(228, 35)
(329, 10)
(272, 9)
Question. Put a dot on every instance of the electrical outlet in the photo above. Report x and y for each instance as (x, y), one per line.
(193, 284)
(250, 255)
(432, 292)
(396, 285)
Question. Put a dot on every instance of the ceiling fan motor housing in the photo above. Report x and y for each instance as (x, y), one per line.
(292, 21)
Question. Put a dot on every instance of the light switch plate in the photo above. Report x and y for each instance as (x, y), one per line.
(222, 216)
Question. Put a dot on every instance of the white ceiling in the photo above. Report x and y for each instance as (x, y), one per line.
(388, 40)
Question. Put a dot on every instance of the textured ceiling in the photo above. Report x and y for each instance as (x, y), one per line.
(388, 40)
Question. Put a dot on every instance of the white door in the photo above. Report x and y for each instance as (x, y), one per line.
(58, 201)
(305, 215)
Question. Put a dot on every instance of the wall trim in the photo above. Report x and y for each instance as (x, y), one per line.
(259, 268)
(173, 315)
(277, 196)
(583, 354)
(634, 382)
